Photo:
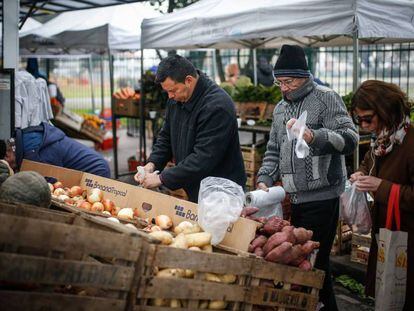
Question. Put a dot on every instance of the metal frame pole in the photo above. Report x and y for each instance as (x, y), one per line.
(113, 116)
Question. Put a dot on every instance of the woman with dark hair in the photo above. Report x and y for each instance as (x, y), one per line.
(383, 109)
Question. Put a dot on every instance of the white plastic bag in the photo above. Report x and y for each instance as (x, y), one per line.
(354, 209)
(297, 131)
(220, 202)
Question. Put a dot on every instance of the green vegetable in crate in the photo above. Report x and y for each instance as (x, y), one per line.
(26, 187)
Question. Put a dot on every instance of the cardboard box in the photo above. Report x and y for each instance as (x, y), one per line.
(148, 202)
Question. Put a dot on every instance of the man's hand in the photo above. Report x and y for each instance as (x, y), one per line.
(354, 177)
(151, 180)
(148, 169)
(307, 134)
(368, 183)
(262, 186)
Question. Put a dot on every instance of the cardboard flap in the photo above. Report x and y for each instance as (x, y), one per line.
(67, 176)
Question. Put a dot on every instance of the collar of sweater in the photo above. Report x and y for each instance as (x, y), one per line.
(302, 91)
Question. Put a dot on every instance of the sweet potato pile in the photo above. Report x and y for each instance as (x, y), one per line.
(277, 241)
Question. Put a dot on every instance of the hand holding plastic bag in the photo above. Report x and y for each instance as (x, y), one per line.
(354, 209)
(220, 202)
(296, 131)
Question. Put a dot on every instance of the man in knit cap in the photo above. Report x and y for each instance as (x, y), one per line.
(316, 181)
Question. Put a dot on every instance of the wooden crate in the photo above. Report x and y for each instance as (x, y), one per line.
(51, 260)
(254, 284)
(251, 181)
(252, 162)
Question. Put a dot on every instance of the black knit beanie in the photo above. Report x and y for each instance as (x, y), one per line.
(291, 63)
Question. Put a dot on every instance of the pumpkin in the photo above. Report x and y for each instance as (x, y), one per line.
(26, 187)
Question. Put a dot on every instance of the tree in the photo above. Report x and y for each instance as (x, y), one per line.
(172, 4)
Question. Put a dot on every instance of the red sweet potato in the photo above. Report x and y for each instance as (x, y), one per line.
(247, 211)
(302, 235)
(298, 255)
(274, 224)
(251, 248)
(305, 265)
(260, 241)
(309, 246)
(258, 251)
(281, 254)
(262, 220)
(277, 239)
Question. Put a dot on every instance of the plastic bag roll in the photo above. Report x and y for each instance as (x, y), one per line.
(261, 198)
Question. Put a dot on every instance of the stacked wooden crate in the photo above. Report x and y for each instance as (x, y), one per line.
(64, 261)
(52, 260)
(198, 280)
(360, 248)
(252, 162)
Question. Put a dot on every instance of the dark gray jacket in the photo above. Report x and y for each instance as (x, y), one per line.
(321, 175)
(202, 136)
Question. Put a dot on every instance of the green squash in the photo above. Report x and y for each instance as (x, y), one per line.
(26, 187)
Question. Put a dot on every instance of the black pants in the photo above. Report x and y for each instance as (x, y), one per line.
(322, 218)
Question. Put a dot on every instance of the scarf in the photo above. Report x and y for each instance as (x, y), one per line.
(386, 139)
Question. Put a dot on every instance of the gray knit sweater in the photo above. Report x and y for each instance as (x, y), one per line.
(321, 175)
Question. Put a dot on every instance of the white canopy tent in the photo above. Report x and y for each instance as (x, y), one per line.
(92, 30)
(99, 30)
(29, 25)
(272, 23)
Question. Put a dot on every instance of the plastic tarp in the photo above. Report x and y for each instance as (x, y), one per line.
(92, 30)
(271, 23)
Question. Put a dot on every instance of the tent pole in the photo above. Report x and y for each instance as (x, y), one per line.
(113, 117)
(142, 142)
(92, 85)
(102, 85)
(355, 84)
(254, 67)
(214, 64)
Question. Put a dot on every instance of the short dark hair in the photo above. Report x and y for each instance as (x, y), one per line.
(387, 100)
(176, 68)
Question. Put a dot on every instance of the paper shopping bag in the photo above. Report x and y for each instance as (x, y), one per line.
(391, 274)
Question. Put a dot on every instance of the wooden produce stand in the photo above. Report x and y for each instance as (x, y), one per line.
(252, 162)
(74, 260)
(254, 283)
(52, 260)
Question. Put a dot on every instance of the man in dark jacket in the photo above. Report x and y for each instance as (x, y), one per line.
(200, 132)
(48, 144)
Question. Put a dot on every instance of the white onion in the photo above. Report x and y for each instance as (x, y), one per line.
(126, 213)
(95, 195)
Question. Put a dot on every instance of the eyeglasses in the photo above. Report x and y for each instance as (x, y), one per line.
(287, 82)
(367, 119)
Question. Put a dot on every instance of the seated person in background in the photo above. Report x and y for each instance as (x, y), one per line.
(48, 144)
